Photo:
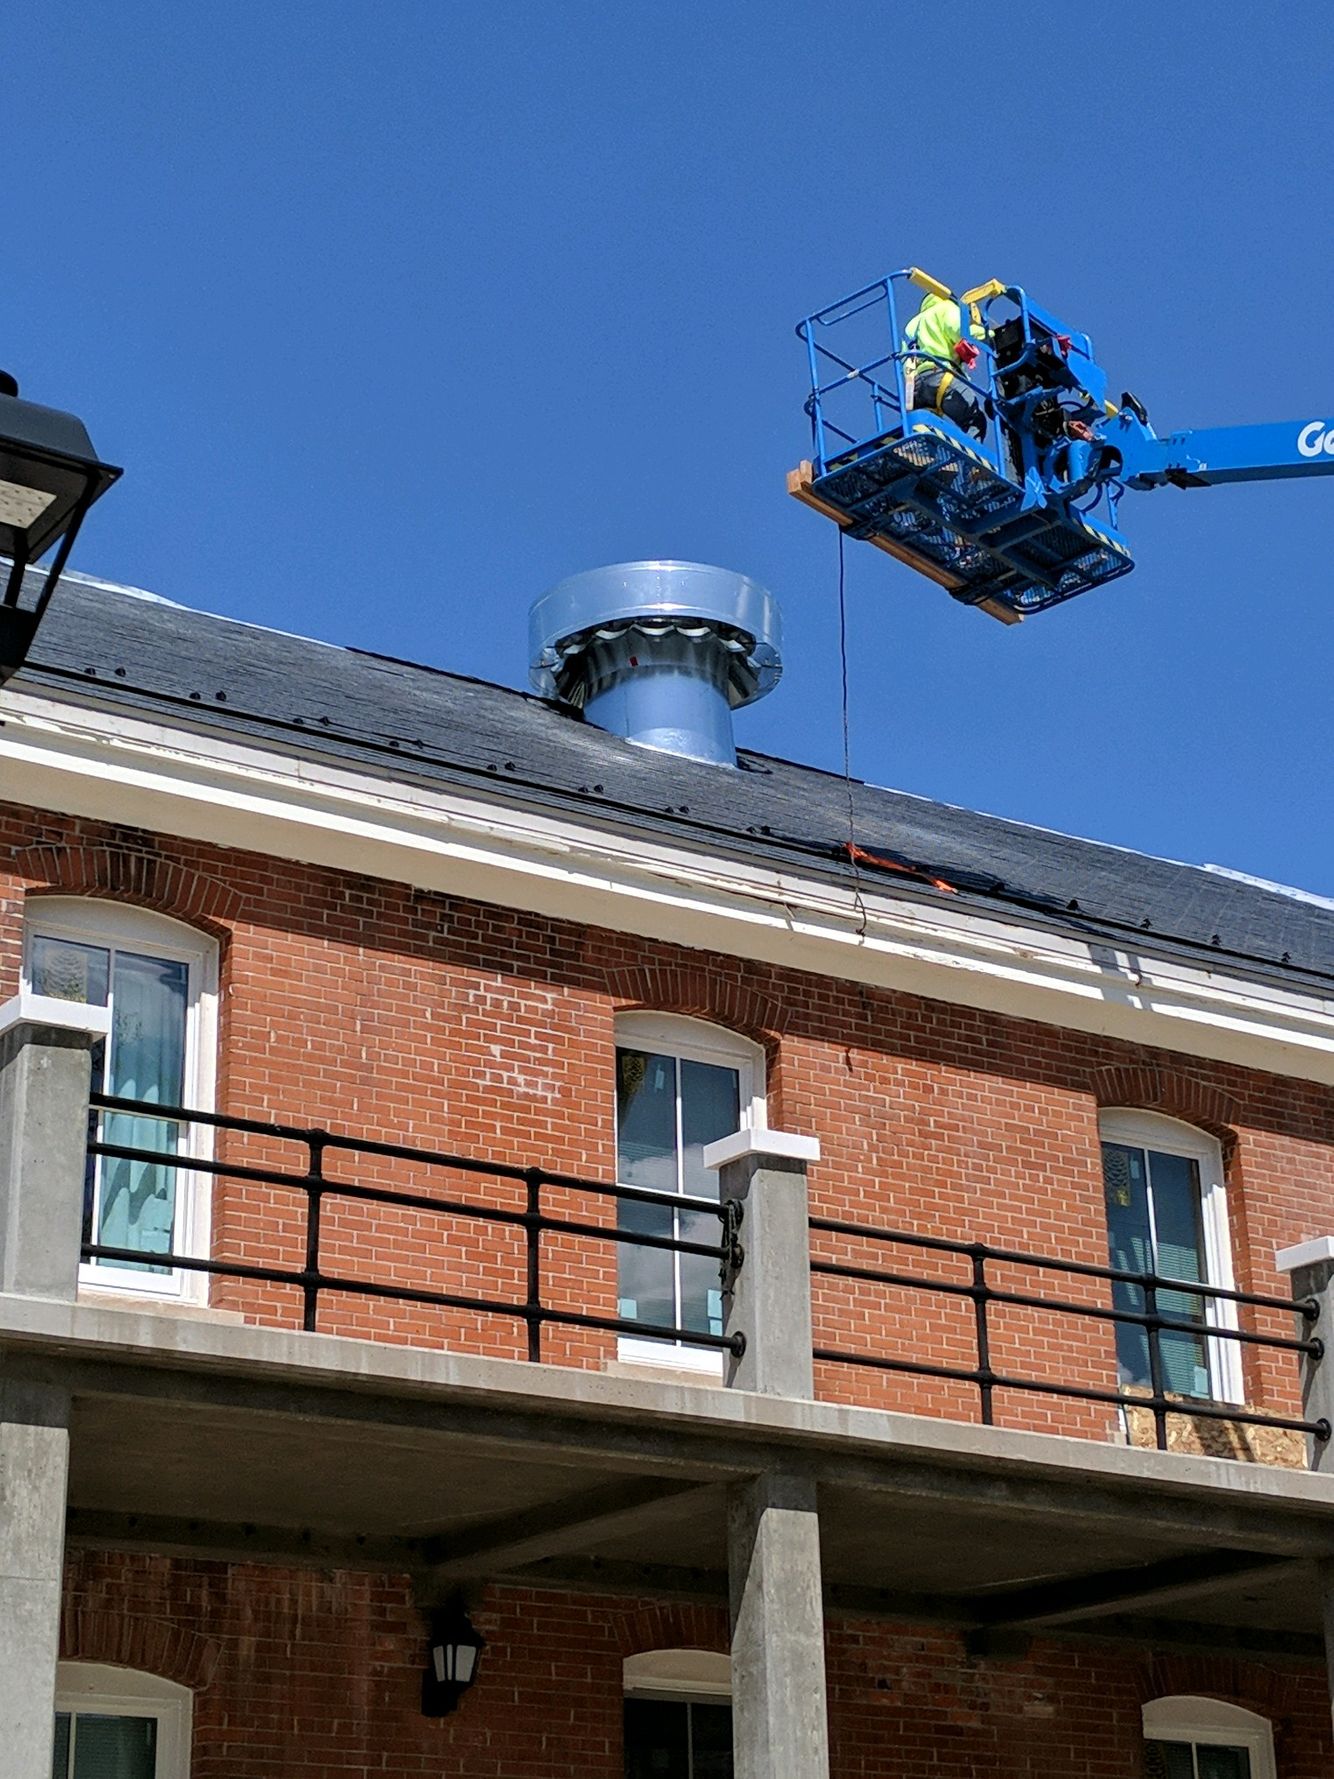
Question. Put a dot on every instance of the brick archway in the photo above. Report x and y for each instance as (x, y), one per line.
(129, 874)
(701, 992)
(150, 1645)
(673, 1627)
(1174, 1092)
(1269, 1692)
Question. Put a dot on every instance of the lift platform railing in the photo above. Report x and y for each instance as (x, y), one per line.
(1156, 1320)
(861, 387)
(313, 1183)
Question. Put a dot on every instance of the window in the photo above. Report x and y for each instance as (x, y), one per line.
(113, 1723)
(1196, 1738)
(679, 1085)
(1167, 1213)
(159, 981)
(678, 1715)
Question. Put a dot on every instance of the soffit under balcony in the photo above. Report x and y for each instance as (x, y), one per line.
(235, 1442)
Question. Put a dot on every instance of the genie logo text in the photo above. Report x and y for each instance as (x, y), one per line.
(1316, 438)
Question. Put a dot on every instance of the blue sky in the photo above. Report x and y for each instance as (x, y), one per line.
(397, 312)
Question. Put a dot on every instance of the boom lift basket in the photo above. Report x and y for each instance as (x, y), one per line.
(1008, 523)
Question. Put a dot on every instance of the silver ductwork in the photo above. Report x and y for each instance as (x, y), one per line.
(659, 652)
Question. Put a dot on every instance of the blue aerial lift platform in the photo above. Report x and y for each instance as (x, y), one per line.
(1027, 516)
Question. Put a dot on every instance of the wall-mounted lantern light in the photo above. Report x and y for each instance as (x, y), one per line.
(455, 1649)
(49, 477)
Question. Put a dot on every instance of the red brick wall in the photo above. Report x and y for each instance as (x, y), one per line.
(317, 1676)
(380, 1011)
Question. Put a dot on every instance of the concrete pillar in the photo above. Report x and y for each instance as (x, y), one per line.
(780, 1726)
(1326, 1573)
(45, 1049)
(1310, 1266)
(768, 1299)
(779, 1710)
(44, 1077)
(34, 1461)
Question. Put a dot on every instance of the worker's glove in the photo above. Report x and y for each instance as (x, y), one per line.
(966, 353)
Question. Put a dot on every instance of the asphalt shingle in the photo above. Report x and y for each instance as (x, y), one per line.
(420, 723)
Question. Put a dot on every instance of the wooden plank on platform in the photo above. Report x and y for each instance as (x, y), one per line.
(799, 486)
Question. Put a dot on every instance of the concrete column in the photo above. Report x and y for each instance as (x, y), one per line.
(34, 1461)
(1310, 1266)
(779, 1712)
(768, 1299)
(1326, 1573)
(45, 1049)
(44, 1078)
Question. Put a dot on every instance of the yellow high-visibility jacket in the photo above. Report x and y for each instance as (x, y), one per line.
(937, 328)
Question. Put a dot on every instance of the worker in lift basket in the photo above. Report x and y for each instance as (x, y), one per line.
(936, 330)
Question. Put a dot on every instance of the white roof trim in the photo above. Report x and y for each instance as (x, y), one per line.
(172, 779)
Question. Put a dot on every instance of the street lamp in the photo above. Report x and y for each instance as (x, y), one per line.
(49, 477)
(455, 1649)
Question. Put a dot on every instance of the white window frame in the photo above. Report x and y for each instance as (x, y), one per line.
(1170, 1136)
(98, 1690)
(692, 1040)
(89, 921)
(1215, 1724)
(686, 1675)
(678, 1677)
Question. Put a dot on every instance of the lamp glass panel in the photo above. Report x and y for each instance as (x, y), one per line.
(21, 506)
(58, 488)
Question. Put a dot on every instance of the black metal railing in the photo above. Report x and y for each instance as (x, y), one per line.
(1154, 1319)
(314, 1279)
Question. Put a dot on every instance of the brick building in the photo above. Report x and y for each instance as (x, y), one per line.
(433, 1317)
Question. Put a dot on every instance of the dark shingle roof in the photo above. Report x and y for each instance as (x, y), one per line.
(435, 727)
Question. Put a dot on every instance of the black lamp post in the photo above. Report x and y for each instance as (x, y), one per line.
(49, 477)
(455, 1649)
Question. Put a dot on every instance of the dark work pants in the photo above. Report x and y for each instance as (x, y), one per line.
(959, 403)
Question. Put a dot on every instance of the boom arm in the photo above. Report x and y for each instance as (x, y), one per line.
(1214, 455)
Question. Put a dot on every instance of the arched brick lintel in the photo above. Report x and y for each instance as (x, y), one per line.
(702, 992)
(1269, 1692)
(150, 1645)
(123, 874)
(1173, 1092)
(672, 1627)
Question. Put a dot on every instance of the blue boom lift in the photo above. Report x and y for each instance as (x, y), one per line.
(1028, 516)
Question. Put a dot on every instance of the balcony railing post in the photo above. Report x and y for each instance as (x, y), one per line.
(1310, 1266)
(982, 1335)
(533, 1261)
(45, 1074)
(767, 1297)
(1153, 1327)
(310, 1291)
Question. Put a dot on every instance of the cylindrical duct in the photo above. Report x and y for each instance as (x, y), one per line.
(659, 652)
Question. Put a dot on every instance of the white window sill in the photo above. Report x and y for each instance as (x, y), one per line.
(145, 1304)
(665, 1364)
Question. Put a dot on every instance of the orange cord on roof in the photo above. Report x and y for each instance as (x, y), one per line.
(860, 856)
